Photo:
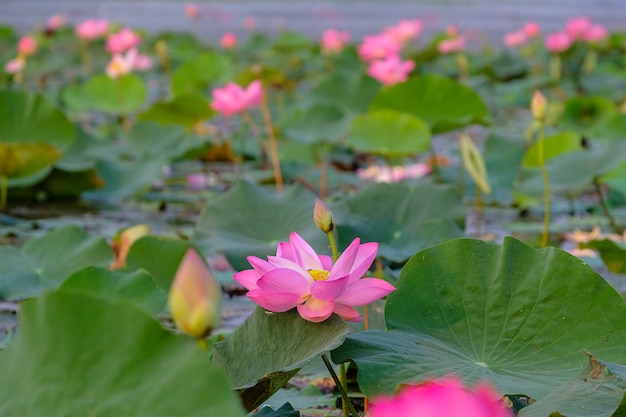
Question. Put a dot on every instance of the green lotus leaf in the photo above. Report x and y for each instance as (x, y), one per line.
(19, 160)
(443, 103)
(553, 146)
(124, 95)
(184, 110)
(402, 218)
(319, 123)
(514, 315)
(252, 220)
(160, 256)
(195, 75)
(286, 341)
(583, 114)
(613, 253)
(78, 354)
(286, 410)
(389, 133)
(349, 91)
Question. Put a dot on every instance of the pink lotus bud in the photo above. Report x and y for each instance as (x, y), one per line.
(91, 29)
(192, 11)
(333, 41)
(27, 46)
(538, 106)
(195, 297)
(122, 41)
(515, 39)
(452, 31)
(323, 217)
(233, 99)
(451, 45)
(249, 23)
(577, 27)
(56, 22)
(532, 29)
(15, 66)
(558, 42)
(596, 33)
(378, 47)
(405, 31)
(390, 71)
(228, 40)
(122, 242)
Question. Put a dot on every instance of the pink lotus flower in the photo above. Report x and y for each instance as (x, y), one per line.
(15, 66)
(577, 27)
(249, 23)
(27, 46)
(596, 33)
(447, 46)
(122, 64)
(233, 99)
(391, 70)
(56, 22)
(394, 173)
(405, 31)
(532, 29)
(515, 39)
(378, 47)
(452, 31)
(443, 397)
(558, 42)
(92, 29)
(122, 41)
(228, 40)
(333, 41)
(299, 277)
(192, 11)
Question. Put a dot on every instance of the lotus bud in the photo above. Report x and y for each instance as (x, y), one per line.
(539, 106)
(195, 297)
(122, 242)
(323, 217)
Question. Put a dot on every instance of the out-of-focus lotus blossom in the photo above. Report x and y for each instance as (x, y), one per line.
(333, 41)
(539, 106)
(452, 31)
(448, 46)
(233, 99)
(378, 47)
(596, 33)
(122, 41)
(122, 242)
(196, 181)
(298, 277)
(515, 39)
(577, 27)
(532, 29)
(92, 29)
(122, 64)
(394, 173)
(192, 11)
(27, 46)
(195, 297)
(139, 62)
(391, 70)
(405, 31)
(249, 23)
(228, 40)
(558, 42)
(443, 397)
(15, 66)
(56, 22)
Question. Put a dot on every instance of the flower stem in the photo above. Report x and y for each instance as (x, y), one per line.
(4, 181)
(344, 394)
(605, 209)
(202, 343)
(333, 245)
(273, 148)
(546, 186)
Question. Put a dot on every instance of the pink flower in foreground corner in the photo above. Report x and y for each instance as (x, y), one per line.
(443, 397)
(390, 71)
(299, 277)
(233, 99)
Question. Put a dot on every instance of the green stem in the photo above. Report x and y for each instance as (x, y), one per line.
(555, 67)
(546, 186)
(4, 185)
(202, 343)
(434, 165)
(333, 245)
(344, 395)
(273, 147)
(605, 209)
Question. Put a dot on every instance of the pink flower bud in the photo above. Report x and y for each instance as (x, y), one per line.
(192, 11)
(391, 70)
(558, 42)
(323, 217)
(539, 106)
(333, 41)
(27, 46)
(15, 66)
(91, 29)
(532, 29)
(228, 40)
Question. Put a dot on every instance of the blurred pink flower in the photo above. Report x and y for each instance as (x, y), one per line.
(515, 39)
(447, 46)
(558, 42)
(233, 99)
(443, 397)
(249, 23)
(192, 11)
(577, 27)
(532, 29)
(378, 47)
(56, 22)
(391, 70)
(15, 66)
(122, 41)
(196, 181)
(333, 41)
(228, 40)
(299, 277)
(92, 29)
(122, 64)
(394, 173)
(596, 33)
(405, 31)
(452, 31)
(27, 46)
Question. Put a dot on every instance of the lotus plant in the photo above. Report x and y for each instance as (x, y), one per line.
(92, 29)
(228, 40)
(391, 70)
(557, 43)
(405, 31)
(122, 41)
(27, 46)
(333, 41)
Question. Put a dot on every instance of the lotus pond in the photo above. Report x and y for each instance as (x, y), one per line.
(284, 226)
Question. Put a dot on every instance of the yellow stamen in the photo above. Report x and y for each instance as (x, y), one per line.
(319, 275)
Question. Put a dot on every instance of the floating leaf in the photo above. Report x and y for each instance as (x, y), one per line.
(583, 114)
(286, 410)
(286, 342)
(160, 256)
(351, 92)
(22, 159)
(124, 95)
(554, 146)
(319, 123)
(613, 253)
(195, 75)
(184, 110)
(115, 361)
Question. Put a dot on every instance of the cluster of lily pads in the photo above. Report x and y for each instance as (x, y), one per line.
(400, 136)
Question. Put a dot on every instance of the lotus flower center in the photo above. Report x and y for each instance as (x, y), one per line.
(319, 275)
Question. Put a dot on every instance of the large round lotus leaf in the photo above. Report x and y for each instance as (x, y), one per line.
(151, 138)
(389, 133)
(19, 160)
(124, 95)
(185, 110)
(443, 103)
(252, 220)
(553, 146)
(319, 123)
(583, 114)
(195, 75)
(46, 261)
(402, 218)
(268, 349)
(613, 253)
(80, 355)
(352, 92)
(516, 316)
(613, 128)
(158, 255)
